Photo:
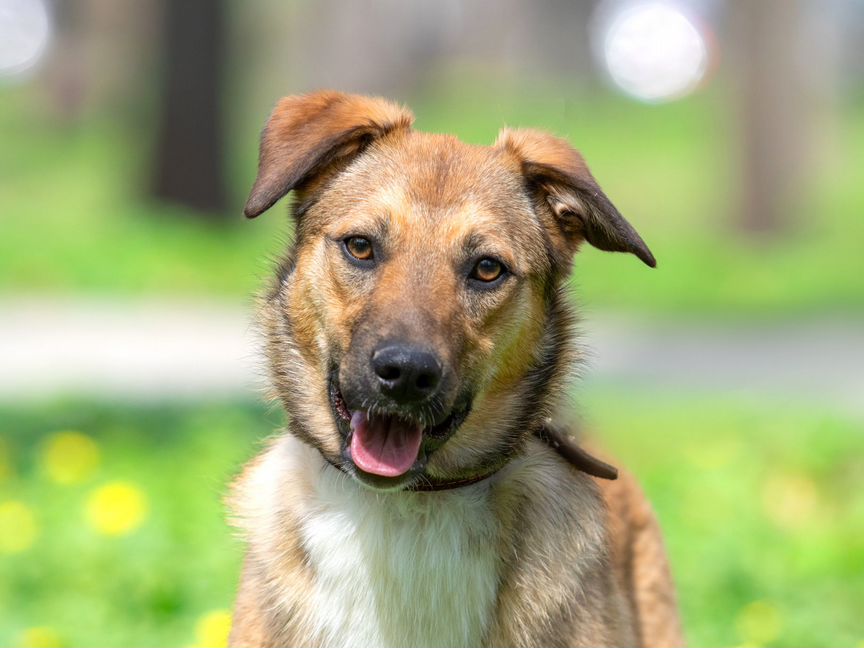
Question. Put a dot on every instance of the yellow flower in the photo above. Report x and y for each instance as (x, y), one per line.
(19, 527)
(759, 623)
(212, 629)
(70, 457)
(40, 637)
(791, 501)
(117, 508)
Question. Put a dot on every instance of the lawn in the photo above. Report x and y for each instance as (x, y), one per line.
(76, 220)
(114, 532)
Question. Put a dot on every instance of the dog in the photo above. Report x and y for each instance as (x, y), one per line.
(427, 490)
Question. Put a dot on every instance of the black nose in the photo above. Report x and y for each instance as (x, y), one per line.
(405, 373)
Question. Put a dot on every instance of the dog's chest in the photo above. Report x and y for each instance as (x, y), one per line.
(400, 569)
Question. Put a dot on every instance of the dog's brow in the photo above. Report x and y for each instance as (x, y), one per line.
(381, 226)
(376, 226)
(301, 207)
(476, 244)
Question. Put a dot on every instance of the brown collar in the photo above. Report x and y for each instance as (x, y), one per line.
(566, 446)
(429, 485)
(559, 441)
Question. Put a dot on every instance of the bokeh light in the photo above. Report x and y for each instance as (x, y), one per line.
(70, 457)
(212, 629)
(40, 637)
(25, 30)
(792, 501)
(651, 50)
(759, 623)
(117, 508)
(19, 528)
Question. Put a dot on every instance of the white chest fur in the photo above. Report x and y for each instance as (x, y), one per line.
(400, 569)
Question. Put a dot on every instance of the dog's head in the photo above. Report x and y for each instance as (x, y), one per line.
(416, 328)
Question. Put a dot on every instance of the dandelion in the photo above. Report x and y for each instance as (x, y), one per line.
(791, 501)
(40, 637)
(759, 623)
(18, 529)
(117, 508)
(212, 629)
(70, 457)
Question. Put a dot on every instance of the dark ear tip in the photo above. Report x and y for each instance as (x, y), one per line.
(648, 258)
(255, 206)
(641, 250)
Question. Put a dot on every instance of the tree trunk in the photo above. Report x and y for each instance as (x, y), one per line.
(774, 111)
(188, 158)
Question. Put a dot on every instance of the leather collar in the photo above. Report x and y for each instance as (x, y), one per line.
(431, 485)
(566, 446)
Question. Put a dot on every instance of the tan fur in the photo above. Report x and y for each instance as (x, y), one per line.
(640, 563)
(577, 563)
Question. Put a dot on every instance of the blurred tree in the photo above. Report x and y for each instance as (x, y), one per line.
(775, 110)
(188, 157)
(407, 49)
(101, 53)
(65, 74)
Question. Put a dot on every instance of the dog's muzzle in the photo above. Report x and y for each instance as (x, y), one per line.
(388, 446)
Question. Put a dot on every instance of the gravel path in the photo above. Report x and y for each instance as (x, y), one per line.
(156, 350)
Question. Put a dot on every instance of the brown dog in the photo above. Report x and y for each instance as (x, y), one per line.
(420, 341)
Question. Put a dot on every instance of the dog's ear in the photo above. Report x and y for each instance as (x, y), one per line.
(558, 176)
(306, 134)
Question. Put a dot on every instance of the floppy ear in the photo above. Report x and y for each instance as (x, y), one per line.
(558, 174)
(307, 133)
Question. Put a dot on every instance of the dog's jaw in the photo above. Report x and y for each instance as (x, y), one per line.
(433, 437)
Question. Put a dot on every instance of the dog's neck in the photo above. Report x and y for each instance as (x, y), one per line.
(396, 568)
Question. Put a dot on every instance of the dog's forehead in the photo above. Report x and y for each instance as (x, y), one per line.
(441, 180)
(441, 173)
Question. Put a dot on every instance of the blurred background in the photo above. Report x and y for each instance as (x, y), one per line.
(730, 379)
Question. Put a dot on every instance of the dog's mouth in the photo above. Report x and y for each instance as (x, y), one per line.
(387, 448)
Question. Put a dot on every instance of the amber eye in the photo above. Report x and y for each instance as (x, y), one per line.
(487, 269)
(359, 247)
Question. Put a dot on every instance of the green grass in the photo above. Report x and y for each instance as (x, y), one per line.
(75, 220)
(762, 506)
(152, 585)
(763, 509)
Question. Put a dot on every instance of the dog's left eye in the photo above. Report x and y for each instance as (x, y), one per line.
(359, 248)
(487, 270)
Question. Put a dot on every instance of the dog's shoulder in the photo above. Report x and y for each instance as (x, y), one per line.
(639, 560)
(557, 585)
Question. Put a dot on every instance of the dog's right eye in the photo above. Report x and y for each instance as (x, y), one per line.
(487, 270)
(359, 247)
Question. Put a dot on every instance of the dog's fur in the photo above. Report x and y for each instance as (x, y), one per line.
(535, 554)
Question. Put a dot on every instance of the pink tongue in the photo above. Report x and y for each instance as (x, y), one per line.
(385, 445)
